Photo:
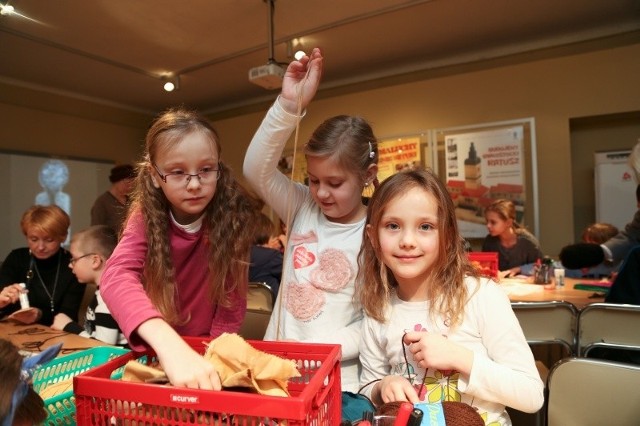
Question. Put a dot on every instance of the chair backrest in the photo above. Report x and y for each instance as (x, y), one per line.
(259, 308)
(587, 391)
(551, 322)
(260, 296)
(608, 325)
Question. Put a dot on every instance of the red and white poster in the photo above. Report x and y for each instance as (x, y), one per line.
(481, 167)
(396, 155)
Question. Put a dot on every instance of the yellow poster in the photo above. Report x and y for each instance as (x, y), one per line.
(396, 155)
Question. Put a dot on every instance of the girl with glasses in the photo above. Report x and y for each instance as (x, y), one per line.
(181, 266)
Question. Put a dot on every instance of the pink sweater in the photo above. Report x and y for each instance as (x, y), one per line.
(122, 290)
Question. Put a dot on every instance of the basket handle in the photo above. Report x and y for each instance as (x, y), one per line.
(322, 396)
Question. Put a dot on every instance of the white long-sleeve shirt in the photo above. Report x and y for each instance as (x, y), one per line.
(315, 301)
(503, 371)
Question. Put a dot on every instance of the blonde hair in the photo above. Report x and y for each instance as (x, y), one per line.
(448, 294)
(50, 220)
(599, 233)
(98, 239)
(229, 219)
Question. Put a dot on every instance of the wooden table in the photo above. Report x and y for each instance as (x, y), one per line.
(523, 290)
(37, 337)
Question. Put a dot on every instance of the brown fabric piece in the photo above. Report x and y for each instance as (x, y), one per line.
(141, 373)
(241, 365)
(55, 389)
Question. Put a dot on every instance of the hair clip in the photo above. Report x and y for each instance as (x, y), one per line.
(371, 153)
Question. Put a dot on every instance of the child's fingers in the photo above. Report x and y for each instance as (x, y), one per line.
(412, 337)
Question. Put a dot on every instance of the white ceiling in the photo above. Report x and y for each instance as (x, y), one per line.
(114, 51)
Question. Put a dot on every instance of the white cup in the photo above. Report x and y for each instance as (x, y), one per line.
(558, 273)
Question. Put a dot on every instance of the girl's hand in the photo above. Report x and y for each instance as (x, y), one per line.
(183, 365)
(187, 368)
(396, 388)
(509, 273)
(431, 350)
(298, 85)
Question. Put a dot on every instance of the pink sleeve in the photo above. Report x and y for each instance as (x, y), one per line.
(229, 320)
(121, 285)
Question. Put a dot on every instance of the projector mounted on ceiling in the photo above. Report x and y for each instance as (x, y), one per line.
(270, 75)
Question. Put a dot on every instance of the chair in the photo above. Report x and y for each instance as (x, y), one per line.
(546, 323)
(586, 391)
(551, 322)
(608, 325)
(259, 308)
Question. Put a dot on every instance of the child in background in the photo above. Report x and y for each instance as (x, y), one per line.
(266, 259)
(315, 302)
(20, 405)
(181, 266)
(433, 330)
(90, 249)
(515, 245)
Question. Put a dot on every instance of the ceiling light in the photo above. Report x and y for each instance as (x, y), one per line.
(6, 9)
(171, 82)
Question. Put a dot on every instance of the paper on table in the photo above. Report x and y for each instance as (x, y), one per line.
(513, 288)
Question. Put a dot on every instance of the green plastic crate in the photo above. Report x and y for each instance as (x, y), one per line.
(62, 408)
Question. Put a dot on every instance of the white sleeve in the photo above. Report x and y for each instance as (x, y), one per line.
(507, 375)
(260, 166)
(374, 363)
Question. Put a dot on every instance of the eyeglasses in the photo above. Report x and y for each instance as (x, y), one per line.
(205, 175)
(73, 260)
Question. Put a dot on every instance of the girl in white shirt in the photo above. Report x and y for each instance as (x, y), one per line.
(433, 330)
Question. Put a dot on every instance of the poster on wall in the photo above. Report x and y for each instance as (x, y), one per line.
(396, 155)
(480, 167)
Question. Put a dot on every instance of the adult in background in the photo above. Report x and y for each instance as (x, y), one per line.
(612, 251)
(43, 267)
(110, 208)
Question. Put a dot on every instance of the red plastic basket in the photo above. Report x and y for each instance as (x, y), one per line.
(486, 262)
(315, 396)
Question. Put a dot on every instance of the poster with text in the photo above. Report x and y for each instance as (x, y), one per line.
(481, 167)
(396, 155)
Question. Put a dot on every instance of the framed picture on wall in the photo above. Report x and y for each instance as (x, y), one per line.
(485, 162)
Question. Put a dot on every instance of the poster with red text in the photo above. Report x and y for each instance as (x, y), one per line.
(481, 167)
(396, 155)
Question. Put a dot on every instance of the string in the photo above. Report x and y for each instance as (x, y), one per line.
(44, 286)
(287, 255)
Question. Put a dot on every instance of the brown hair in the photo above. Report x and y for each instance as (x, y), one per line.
(50, 220)
(349, 139)
(98, 239)
(598, 233)
(229, 219)
(265, 229)
(448, 294)
(506, 209)
(31, 409)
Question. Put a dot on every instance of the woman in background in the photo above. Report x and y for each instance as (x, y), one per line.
(43, 267)
(515, 245)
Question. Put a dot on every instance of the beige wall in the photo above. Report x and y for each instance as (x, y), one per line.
(552, 91)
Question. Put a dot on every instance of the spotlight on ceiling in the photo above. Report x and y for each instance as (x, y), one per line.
(171, 82)
(6, 9)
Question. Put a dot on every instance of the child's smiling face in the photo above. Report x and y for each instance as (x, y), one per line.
(409, 240)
